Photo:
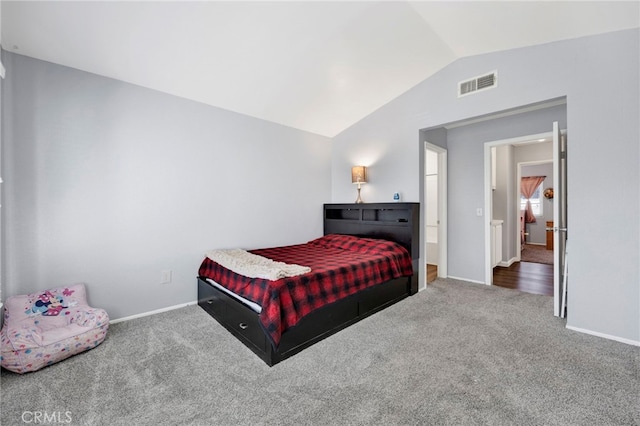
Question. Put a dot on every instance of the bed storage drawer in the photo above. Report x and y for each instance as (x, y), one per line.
(324, 321)
(210, 300)
(233, 315)
(384, 294)
(246, 324)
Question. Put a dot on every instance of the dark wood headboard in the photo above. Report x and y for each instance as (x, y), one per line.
(398, 222)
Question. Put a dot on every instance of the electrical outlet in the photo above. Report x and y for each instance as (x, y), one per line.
(165, 276)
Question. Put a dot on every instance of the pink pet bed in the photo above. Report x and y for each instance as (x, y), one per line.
(46, 327)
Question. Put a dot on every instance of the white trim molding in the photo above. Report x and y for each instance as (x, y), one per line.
(469, 280)
(157, 311)
(605, 336)
(507, 263)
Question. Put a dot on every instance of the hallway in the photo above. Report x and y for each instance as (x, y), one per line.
(535, 278)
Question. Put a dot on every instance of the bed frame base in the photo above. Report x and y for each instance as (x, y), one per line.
(244, 324)
(399, 222)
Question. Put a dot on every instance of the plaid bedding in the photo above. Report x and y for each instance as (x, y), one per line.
(341, 265)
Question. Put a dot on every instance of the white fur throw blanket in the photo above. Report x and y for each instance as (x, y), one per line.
(254, 266)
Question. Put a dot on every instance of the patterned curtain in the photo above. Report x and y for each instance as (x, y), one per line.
(528, 186)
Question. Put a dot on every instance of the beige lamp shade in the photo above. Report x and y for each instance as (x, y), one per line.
(358, 174)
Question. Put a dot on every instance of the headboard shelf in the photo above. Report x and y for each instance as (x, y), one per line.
(342, 214)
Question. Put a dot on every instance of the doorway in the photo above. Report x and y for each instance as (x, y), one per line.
(544, 157)
(531, 269)
(435, 211)
(537, 240)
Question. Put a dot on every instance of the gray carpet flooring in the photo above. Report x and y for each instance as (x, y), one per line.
(454, 354)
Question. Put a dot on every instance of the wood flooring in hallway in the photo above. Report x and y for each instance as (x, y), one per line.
(432, 272)
(536, 278)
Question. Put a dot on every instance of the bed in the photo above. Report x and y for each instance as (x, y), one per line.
(277, 319)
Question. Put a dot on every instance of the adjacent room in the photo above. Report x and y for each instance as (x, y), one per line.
(405, 212)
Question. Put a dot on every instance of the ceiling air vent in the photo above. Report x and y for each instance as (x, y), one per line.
(476, 84)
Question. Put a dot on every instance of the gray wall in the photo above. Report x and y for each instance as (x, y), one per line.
(465, 144)
(109, 183)
(466, 185)
(598, 75)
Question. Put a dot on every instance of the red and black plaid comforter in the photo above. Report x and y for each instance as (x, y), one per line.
(341, 265)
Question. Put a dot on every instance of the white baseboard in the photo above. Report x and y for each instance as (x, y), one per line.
(466, 279)
(508, 262)
(146, 314)
(605, 336)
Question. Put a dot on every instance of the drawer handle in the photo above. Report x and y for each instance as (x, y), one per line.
(210, 302)
(243, 326)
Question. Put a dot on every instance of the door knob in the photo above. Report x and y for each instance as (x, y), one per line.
(556, 229)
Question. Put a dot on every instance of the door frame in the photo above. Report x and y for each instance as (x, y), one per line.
(519, 166)
(488, 194)
(558, 136)
(442, 208)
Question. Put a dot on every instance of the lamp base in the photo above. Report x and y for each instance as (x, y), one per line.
(359, 199)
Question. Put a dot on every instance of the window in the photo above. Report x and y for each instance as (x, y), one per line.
(536, 201)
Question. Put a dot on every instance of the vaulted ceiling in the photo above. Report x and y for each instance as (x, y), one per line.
(316, 66)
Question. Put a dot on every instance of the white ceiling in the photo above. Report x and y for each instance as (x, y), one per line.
(316, 66)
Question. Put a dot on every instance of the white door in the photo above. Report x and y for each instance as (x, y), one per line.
(559, 216)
